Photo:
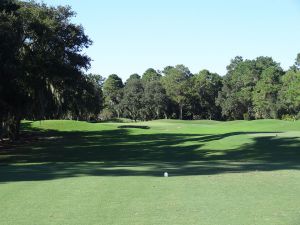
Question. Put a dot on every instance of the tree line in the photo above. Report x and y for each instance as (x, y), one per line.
(42, 76)
(251, 89)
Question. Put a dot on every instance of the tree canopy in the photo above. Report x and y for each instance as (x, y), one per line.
(42, 66)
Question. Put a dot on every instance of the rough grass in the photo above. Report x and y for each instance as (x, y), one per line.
(70, 172)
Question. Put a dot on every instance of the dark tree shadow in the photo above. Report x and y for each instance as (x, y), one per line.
(44, 155)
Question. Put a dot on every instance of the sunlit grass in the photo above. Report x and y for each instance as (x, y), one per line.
(72, 172)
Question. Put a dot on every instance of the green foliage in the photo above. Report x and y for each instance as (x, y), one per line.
(177, 84)
(297, 63)
(151, 75)
(155, 100)
(236, 94)
(132, 101)
(250, 87)
(289, 95)
(288, 117)
(106, 115)
(113, 92)
(298, 116)
(41, 65)
(134, 76)
(233, 63)
(246, 116)
(12, 91)
(265, 93)
(206, 86)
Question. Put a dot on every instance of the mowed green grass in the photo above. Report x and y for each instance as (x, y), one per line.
(70, 172)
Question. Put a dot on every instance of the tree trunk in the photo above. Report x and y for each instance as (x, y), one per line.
(157, 113)
(180, 112)
(10, 127)
(1, 129)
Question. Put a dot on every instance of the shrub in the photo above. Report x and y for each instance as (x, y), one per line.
(298, 116)
(246, 116)
(106, 114)
(288, 117)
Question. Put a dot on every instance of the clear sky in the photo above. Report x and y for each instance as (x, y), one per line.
(132, 35)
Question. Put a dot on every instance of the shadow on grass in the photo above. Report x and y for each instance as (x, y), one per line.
(134, 126)
(119, 153)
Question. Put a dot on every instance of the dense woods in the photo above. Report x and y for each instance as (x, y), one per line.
(251, 89)
(42, 76)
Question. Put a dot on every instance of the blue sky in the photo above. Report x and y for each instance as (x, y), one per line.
(133, 35)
